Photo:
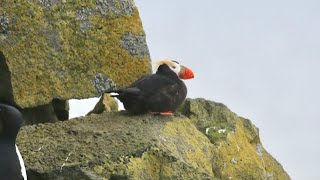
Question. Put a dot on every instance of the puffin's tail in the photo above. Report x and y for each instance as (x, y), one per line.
(124, 92)
(113, 91)
(130, 97)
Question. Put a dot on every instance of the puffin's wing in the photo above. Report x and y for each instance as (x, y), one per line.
(160, 93)
(164, 99)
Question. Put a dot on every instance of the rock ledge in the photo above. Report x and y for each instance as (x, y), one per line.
(205, 140)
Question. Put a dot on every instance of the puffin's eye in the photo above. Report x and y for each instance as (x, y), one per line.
(173, 67)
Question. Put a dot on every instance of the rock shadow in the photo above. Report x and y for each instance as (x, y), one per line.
(6, 94)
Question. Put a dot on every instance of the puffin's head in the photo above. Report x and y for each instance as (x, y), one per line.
(181, 71)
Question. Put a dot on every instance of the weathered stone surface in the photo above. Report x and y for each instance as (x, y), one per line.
(69, 49)
(209, 142)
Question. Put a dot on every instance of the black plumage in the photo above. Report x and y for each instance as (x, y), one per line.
(11, 166)
(161, 92)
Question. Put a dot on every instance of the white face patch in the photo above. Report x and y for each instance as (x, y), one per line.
(175, 67)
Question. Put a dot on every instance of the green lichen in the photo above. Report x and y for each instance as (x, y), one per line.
(215, 136)
(214, 120)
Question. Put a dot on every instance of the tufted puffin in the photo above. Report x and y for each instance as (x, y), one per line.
(159, 93)
(11, 162)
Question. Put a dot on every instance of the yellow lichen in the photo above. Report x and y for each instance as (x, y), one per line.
(160, 162)
(193, 146)
(241, 159)
(98, 169)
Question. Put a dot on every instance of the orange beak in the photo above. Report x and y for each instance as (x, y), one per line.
(186, 73)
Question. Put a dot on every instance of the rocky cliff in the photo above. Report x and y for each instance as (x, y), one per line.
(204, 140)
(58, 50)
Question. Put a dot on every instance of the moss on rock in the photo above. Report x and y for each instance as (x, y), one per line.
(59, 49)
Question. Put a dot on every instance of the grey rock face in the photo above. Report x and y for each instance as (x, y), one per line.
(103, 83)
(4, 23)
(135, 44)
(115, 8)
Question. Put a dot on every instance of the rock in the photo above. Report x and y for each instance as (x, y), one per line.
(57, 110)
(61, 50)
(205, 141)
(5, 80)
(105, 104)
(40, 114)
(239, 153)
(61, 109)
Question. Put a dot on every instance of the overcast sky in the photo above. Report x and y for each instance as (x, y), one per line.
(260, 58)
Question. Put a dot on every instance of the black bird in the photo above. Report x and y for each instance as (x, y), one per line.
(11, 163)
(159, 93)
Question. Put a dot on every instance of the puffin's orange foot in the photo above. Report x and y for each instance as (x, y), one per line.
(168, 113)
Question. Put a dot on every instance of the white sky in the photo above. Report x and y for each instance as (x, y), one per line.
(260, 58)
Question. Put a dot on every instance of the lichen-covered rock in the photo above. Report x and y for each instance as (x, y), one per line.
(238, 152)
(69, 49)
(105, 104)
(118, 146)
